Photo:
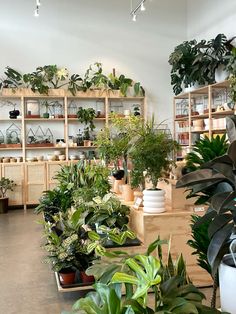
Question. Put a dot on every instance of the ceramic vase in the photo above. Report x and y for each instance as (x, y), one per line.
(153, 201)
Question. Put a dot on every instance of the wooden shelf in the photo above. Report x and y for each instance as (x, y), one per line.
(44, 147)
(215, 131)
(194, 98)
(222, 113)
(11, 120)
(182, 118)
(95, 119)
(10, 148)
(44, 119)
(200, 116)
(78, 147)
(200, 131)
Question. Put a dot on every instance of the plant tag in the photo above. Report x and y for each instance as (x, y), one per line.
(138, 202)
(199, 209)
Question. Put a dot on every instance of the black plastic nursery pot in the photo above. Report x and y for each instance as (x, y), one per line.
(119, 174)
(4, 205)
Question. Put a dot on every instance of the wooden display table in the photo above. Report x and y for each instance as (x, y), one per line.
(174, 225)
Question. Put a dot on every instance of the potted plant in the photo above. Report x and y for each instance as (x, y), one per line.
(203, 151)
(5, 185)
(46, 113)
(87, 116)
(136, 276)
(150, 154)
(196, 62)
(72, 249)
(220, 174)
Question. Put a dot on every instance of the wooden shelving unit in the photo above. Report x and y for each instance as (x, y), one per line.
(200, 112)
(32, 178)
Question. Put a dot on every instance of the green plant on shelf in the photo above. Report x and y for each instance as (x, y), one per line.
(196, 62)
(51, 76)
(87, 116)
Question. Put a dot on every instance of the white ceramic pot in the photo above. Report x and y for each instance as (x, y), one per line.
(227, 277)
(153, 201)
(221, 74)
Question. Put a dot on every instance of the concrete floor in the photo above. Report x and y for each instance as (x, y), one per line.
(27, 285)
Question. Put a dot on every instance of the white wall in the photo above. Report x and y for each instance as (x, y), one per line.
(207, 18)
(75, 33)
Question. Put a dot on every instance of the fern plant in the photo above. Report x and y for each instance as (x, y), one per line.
(205, 150)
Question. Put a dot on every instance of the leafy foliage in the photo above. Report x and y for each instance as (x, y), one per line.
(113, 145)
(205, 150)
(150, 153)
(195, 62)
(51, 76)
(75, 180)
(86, 116)
(219, 172)
(200, 241)
(6, 185)
(140, 274)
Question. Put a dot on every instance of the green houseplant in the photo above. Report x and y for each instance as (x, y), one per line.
(231, 68)
(151, 157)
(196, 62)
(219, 173)
(87, 116)
(173, 293)
(5, 185)
(205, 150)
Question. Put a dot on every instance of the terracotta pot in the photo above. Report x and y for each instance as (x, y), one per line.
(67, 277)
(85, 278)
(117, 185)
(127, 193)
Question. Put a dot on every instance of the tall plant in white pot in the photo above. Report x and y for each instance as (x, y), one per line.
(151, 154)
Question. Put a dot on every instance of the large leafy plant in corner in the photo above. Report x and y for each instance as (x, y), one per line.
(220, 172)
(181, 61)
(195, 62)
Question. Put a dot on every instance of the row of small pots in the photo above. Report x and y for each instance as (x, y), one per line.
(68, 277)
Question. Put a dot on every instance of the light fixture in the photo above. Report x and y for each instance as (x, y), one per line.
(134, 17)
(142, 8)
(36, 11)
(134, 11)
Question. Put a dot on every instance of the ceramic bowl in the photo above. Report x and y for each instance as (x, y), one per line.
(30, 159)
(62, 157)
(72, 157)
(40, 158)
